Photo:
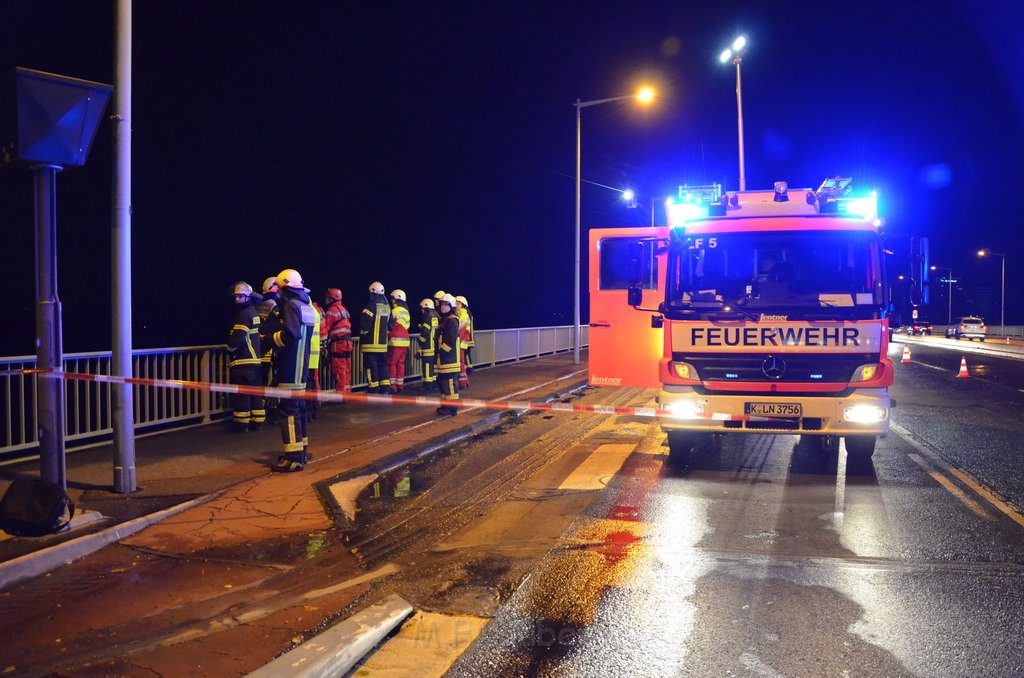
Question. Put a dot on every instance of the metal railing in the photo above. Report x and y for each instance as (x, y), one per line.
(88, 405)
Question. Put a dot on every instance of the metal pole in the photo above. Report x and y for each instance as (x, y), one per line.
(576, 269)
(949, 312)
(739, 123)
(121, 257)
(49, 350)
(1002, 300)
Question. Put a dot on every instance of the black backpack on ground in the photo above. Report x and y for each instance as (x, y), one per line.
(33, 508)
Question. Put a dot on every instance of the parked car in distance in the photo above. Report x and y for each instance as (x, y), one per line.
(919, 328)
(968, 327)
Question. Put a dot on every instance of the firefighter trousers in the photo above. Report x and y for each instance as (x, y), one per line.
(246, 409)
(292, 413)
(341, 369)
(396, 367)
(376, 366)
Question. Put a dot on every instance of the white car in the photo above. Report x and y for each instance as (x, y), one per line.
(969, 327)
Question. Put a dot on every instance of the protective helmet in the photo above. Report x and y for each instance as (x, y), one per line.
(289, 277)
(334, 294)
(398, 294)
(268, 283)
(439, 294)
(241, 288)
(462, 300)
(427, 303)
(448, 299)
(376, 288)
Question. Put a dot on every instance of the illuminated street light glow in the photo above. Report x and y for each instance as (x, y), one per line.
(643, 95)
(628, 195)
(733, 55)
(1002, 288)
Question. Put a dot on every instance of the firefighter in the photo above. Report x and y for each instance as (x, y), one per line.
(427, 340)
(373, 339)
(291, 366)
(465, 338)
(244, 365)
(448, 354)
(398, 340)
(315, 349)
(267, 310)
(338, 326)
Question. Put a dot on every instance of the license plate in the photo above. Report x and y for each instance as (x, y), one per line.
(773, 409)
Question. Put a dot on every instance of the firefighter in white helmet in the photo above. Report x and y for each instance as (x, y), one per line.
(291, 366)
(244, 364)
(398, 340)
(427, 339)
(448, 354)
(373, 339)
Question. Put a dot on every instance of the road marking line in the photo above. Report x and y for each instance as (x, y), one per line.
(594, 471)
(951, 488)
(963, 476)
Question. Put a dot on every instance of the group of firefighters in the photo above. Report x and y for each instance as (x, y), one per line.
(279, 335)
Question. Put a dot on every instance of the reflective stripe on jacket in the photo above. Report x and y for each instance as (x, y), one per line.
(398, 331)
(373, 325)
(428, 331)
(244, 340)
(448, 345)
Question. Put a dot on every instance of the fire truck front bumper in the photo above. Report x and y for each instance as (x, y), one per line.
(864, 411)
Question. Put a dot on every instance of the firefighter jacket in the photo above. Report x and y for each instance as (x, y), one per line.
(244, 340)
(267, 310)
(293, 340)
(314, 345)
(429, 325)
(465, 327)
(448, 345)
(339, 330)
(398, 328)
(373, 325)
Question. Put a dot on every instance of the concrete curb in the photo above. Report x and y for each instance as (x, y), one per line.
(50, 558)
(335, 651)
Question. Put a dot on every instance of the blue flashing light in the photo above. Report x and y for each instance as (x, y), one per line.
(859, 207)
(731, 375)
(680, 213)
(817, 376)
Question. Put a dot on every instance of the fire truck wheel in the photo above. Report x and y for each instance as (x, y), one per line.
(680, 446)
(860, 446)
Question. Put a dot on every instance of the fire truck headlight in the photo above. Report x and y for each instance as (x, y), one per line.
(865, 414)
(865, 372)
(684, 409)
(685, 371)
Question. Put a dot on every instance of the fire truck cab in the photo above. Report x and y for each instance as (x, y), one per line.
(768, 314)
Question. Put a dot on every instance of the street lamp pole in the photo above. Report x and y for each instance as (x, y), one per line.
(1002, 287)
(644, 95)
(733, 54)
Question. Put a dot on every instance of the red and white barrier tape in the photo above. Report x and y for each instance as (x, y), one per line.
(380, 399)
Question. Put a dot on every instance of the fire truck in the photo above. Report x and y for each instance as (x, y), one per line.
(771, 316)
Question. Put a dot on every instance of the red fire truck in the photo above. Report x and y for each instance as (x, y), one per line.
(770, 317)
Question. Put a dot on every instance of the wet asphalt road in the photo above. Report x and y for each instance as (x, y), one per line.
(770, 557)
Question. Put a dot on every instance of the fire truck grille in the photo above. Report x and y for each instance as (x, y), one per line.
(777, 368)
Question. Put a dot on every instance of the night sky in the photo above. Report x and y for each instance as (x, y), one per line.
(434, 146)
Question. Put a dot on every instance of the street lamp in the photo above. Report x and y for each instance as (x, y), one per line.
(1002, 288)
(949, 295)
(644, 95)
(733, 54)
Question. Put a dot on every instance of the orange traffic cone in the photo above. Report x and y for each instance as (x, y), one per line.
(964, 374)
(1007, 339)
(906, 353)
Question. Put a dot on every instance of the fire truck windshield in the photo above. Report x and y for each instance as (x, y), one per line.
(803, 273)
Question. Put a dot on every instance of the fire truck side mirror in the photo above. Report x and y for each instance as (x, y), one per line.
(635, 295)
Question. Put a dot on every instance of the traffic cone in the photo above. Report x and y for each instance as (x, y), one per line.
(964, 374)
(1007, 339)
(906, 353)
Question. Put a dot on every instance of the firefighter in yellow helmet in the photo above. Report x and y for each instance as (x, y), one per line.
(448, 354)
(398, 340)
(373, 339)
(465, 339)
(292, 344)
(427, 339)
